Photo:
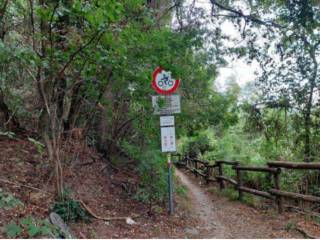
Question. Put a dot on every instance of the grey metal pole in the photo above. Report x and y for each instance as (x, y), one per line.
(170, 184)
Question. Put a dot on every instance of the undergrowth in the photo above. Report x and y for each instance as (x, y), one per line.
(152, 169)
(31, 227)
(69, 209)
(8, 201)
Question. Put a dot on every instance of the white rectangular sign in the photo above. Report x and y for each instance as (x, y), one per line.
(164, 105)
(166, 121)
(168, 139)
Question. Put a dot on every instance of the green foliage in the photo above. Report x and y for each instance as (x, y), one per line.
(253, 148)
(314, 190)
(181, 190)
(39, 145)
(198, 145)
(69, 209)
(229, 193)
(13, 230)
(8, 201)
(102, 53)
(290, 226)
(30, 227)
(153, 177)
(250, 150)
(10, 135)
(152, 166)
(290, 84)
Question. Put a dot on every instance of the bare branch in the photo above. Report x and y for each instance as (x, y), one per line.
(50, 23)
(33, 28)
(97, 35)
(246, 17)
(167, 11)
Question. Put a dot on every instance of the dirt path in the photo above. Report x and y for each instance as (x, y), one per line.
(203, 208)
(223, 218)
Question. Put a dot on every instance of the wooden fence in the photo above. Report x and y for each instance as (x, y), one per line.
(206, 170)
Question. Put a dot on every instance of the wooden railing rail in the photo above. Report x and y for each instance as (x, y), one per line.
(229, 180)
(297, 196)
(256, 169)
(256, 192)
(294, 165)
(206, 169)
(228, 162)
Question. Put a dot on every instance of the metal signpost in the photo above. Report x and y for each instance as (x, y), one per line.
(166, 104)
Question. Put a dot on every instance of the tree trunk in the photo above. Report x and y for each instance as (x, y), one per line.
(307, 115)
(11, 121)
(2, 24)
(50, 124)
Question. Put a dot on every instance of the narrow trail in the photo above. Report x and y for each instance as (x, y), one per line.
(204, 209)
(223, 218)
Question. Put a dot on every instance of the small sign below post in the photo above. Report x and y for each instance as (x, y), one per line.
(168, 139)
(166, 121)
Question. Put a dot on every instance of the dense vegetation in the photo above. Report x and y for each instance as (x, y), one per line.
(278, 114)
(82, 69)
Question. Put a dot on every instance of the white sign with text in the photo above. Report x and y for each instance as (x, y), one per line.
(166, 121)
(164, 105)
(168, 139)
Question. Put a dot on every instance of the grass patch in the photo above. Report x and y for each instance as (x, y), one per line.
(181, 190)
(8, 201)
(229, 193)
(290, 226)
(31, 227)
(233, 195)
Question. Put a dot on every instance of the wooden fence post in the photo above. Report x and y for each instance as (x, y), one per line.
(196, 168)
(208, 173)
(277, 187)
(220, 174)
(187, 162)
(239, 182)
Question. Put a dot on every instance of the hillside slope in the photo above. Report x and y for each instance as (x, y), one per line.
(107, 190)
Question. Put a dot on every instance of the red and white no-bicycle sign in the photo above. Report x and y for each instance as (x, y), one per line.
(163, 83)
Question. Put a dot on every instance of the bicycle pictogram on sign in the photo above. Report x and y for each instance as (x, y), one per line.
(163, 83)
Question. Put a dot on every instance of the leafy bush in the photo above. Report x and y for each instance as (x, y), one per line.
(31, 227)
(69, 209)
(153, 174)
(152, 169)
(198, 145)
(252, 149)
(10, 135)
(40, 146)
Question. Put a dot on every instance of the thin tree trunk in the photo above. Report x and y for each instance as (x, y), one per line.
(307, 117)
(50, 124)
(2, 14)
(10, 119)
